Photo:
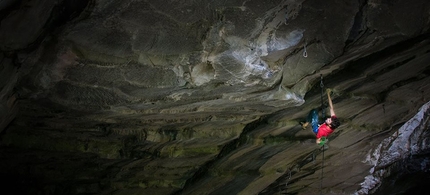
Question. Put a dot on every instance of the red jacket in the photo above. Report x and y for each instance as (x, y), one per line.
(324, 131)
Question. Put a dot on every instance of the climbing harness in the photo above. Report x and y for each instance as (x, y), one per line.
(305, 53)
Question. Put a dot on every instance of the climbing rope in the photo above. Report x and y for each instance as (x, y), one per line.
(286, 183)
(322, 169)
(322, 94)
(323, 139)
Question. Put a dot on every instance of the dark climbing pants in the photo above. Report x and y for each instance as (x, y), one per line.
(313, 119)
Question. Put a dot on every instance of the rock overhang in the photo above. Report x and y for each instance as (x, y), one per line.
(214, 91)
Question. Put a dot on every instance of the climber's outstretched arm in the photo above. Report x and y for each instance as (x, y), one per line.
(330, 103)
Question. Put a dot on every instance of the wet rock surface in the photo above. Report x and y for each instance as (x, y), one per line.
(206, 97)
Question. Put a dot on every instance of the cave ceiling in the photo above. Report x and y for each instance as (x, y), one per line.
(206, 97)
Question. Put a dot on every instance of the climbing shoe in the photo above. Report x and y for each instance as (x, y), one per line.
(304, 125)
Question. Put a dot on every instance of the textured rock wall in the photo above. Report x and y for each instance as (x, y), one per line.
(411, 140)
(8, 79)
(203, 97)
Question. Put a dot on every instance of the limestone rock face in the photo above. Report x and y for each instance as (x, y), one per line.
(206, 97)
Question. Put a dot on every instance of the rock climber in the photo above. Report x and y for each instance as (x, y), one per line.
(330, 124)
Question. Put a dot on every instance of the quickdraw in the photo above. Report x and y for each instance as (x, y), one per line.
(305, 53)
